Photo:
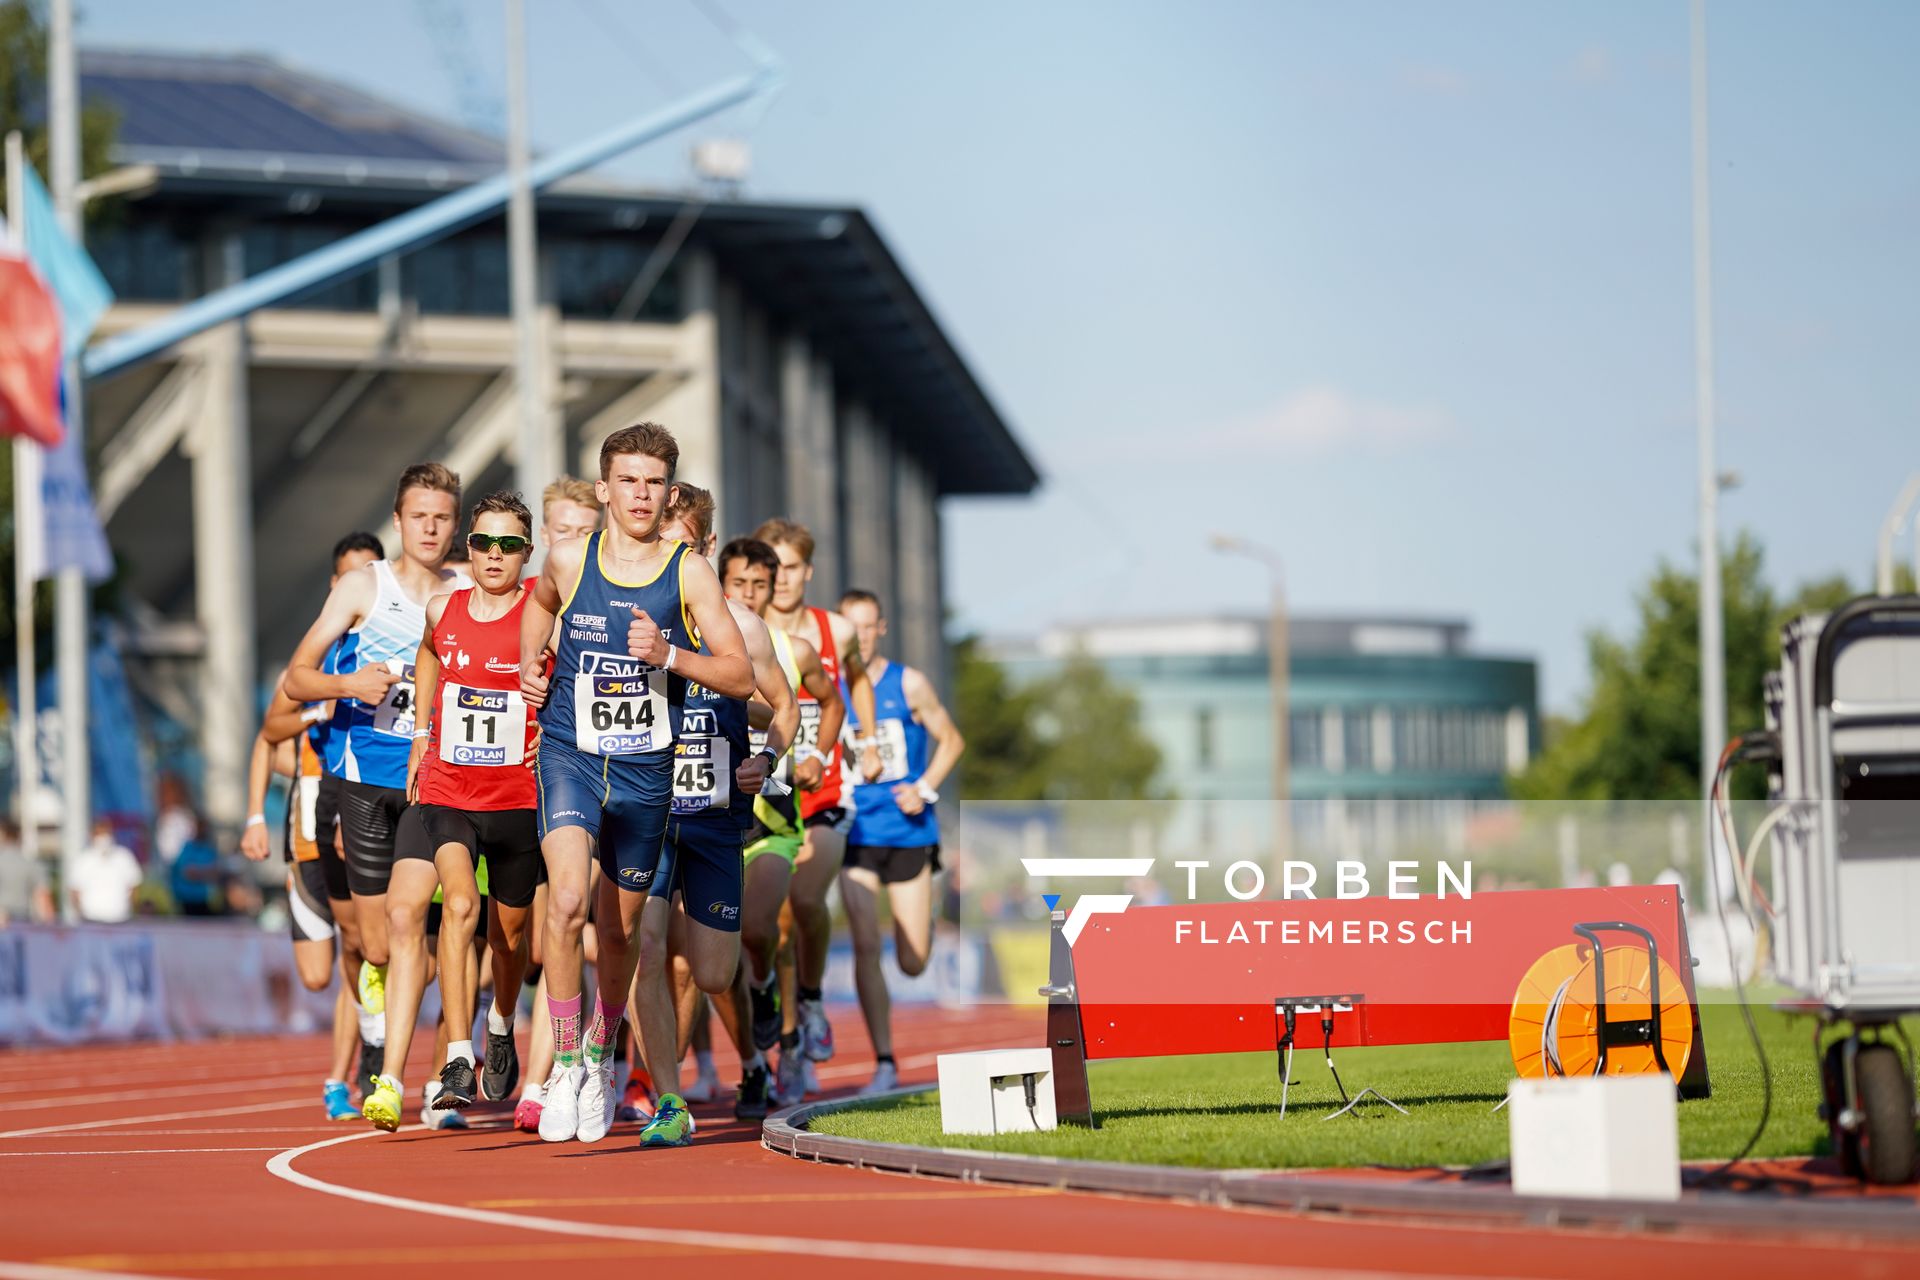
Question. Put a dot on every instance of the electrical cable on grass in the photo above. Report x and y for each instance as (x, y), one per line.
(1721, 811)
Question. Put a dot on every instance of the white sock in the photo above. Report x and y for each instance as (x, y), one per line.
(703, 1062)
(498, 1024)
(341, 1083)
(373, 1028)
(535, 1089)
(757, 1062)
(397, 1086)
(458, 1049)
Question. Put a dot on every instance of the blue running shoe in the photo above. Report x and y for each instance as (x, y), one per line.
(339, 1105)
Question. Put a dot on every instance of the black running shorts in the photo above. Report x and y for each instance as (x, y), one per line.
(505, 837)
(893, 866)
(326, 817)
(369, 822)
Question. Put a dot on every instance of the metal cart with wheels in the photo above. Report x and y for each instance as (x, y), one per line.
(1845, 862)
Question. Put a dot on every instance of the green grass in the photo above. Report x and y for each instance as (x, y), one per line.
(1220, 1111)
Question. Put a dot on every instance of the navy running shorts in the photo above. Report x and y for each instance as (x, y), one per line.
(620, 801)
(706, 856)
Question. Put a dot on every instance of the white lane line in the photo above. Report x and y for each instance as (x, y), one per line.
(208, 1114)
(135, 1151)
(147, 1095)
(900, 1253)
(318, 1126)
(38, 1271)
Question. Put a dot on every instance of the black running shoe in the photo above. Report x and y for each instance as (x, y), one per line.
(751, 1102)
(456, 1086)
(766, 1013)
(372, 1058)
(503, 1068)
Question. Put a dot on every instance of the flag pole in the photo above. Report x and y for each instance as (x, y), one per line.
(71, 625)
(26, 554)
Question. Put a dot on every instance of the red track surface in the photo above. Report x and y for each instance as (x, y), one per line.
(210, 1160)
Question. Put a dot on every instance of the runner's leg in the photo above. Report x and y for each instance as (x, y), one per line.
(860, 893)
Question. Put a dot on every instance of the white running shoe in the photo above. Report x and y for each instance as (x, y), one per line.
(705, 1088)
(598, 1098)
(816, 1033)
(886, 1077)
(789, 1079)
(560, 1111)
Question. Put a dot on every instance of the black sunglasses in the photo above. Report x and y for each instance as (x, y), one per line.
(511, 544)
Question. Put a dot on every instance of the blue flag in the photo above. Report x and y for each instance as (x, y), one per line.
(74, 538)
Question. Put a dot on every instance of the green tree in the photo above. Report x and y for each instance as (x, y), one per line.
(1075, 735)
(1638, 735)
(23, 93)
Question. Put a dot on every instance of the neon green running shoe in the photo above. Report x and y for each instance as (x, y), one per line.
(671, 1126)
(383, 1104)
(373, 987)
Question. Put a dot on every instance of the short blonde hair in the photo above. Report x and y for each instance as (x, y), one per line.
(568, 489)
(694, 505)
(779, 529)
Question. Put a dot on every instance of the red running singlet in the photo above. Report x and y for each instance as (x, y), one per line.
(477, 754)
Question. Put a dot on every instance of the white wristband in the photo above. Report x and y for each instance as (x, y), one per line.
(927, 793)
(805, 754)
(673, 651)
(257, 820)
(314, 714)
(422, 733)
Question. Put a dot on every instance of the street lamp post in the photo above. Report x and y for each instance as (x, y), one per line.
(1277, 660)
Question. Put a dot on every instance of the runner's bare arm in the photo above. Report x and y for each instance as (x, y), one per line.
(859, 691)
(537, 617)
(346, 605)
(723, 666)
(285, 717)
(770, 683)
(426, 695)
(948, 745)
(253, 841)
(833, 712)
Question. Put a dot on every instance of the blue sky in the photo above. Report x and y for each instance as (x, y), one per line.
(1402, 290)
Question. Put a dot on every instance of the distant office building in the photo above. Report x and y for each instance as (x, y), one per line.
(783, 344)
(1397, 733)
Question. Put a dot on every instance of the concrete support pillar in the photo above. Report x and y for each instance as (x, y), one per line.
(916, 610)
(866, 502)
(808, 440)
(691, 410)
(223, 560)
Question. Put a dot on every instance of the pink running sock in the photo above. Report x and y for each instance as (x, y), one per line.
(604, 1032)
(565, 1016)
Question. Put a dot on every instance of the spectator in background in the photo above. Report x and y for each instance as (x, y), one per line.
(177, 821)
(195, 877)
(24, 895)
(105, 874)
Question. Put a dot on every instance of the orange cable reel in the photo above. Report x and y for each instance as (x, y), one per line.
(1553, 1029)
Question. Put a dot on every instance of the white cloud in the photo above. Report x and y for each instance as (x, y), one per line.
(1592, 66)
(1317, 421)
(1434, 81)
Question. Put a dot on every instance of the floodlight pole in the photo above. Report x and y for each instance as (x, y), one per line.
(1889, 529)
(1713, 680)
(535, 466)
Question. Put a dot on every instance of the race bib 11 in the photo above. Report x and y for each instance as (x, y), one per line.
(482, 726)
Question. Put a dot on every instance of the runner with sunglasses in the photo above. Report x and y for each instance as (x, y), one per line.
(473, 797)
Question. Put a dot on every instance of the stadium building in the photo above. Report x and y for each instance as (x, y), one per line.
(1398, 733)
(801, 370)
